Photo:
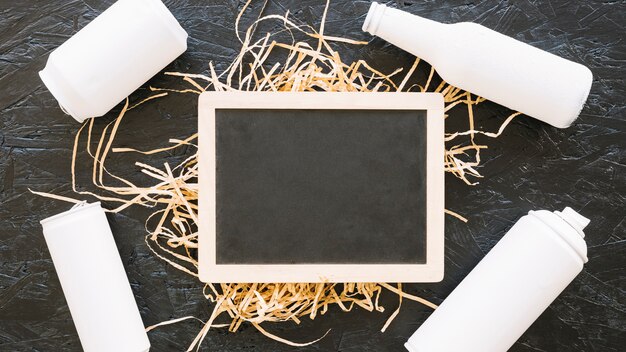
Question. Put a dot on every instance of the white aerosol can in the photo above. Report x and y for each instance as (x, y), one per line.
(112, 56)
(508, 290)
(489, 64)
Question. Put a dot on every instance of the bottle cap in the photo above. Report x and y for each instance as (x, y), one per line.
(372, 20)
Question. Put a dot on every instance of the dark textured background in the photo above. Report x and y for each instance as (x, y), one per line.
(531, 166)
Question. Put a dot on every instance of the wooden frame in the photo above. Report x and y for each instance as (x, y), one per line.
(431, 271)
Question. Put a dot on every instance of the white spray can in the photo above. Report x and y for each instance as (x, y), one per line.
(112, 56)
(508, 290)
(489, 64)
(94, 281)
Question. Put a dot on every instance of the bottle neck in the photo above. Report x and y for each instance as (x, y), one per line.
(417, 35)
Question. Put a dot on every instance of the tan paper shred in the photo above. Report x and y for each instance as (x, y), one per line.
(171, 229)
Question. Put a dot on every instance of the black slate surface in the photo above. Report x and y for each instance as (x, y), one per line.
(320, 186)
(531, 166)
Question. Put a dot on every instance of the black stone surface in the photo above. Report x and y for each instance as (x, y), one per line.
(320, 186)
(531, 166)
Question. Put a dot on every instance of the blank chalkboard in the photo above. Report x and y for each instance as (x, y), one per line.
(318, 190)
(320, 186)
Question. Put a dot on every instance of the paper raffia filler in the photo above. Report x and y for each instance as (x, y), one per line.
(172, 230)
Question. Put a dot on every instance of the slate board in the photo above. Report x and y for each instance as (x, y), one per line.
(320, 186)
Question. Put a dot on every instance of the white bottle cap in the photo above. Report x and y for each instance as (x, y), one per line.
(372, 20)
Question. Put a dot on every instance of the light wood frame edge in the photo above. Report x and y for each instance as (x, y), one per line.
(432, 271)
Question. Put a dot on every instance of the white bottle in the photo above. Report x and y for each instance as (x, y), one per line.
(112, 56)
(508, 290)
(94, 281)
(489, 64)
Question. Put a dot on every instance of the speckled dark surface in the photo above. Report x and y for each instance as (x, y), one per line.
(531, 166)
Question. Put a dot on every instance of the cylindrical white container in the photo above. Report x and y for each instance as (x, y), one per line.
(489, 64)
(113, 56)
(94, 281)
(508, 290)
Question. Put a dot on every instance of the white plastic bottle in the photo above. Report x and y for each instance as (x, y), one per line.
(508, 290)
(94, 281)
(489, 64)
(112, 56)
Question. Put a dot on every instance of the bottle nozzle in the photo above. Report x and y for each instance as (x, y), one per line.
(574, 219)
